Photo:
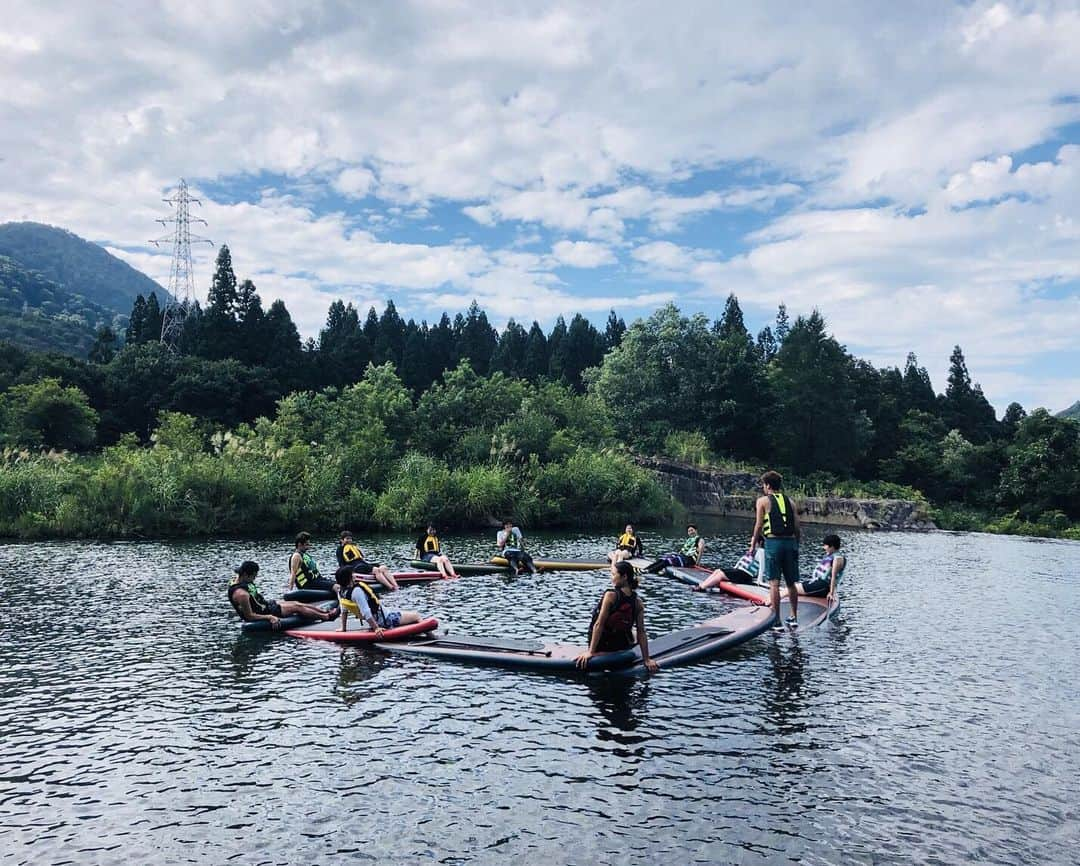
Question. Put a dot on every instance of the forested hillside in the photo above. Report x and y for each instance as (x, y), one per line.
(382, 421)
(78, 266)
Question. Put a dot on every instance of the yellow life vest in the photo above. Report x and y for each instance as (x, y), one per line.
(351, 553)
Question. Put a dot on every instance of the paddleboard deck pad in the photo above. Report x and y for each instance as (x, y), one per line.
(680, 647)
(262, 626)
(331, 631)
(813, 610)
(567, 564)
(462, 568)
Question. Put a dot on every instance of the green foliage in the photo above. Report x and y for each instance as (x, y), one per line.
(1043, 470)
(45, 414)
(689, 447)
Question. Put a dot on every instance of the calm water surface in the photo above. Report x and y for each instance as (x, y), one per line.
(936, 720)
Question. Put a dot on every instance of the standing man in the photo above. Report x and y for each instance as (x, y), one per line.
(777, 523)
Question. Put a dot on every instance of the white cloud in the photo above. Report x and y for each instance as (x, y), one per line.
(582, 254)
(879, 155)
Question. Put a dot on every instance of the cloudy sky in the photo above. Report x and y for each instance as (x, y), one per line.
(912, 170)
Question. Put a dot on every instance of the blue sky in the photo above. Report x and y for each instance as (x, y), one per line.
(913, 171)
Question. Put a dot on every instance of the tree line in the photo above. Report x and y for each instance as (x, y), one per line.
(790, 396)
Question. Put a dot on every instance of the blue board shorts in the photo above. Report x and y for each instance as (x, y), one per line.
(782, 559)
(389, 618)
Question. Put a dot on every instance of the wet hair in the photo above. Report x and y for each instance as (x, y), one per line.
(832, 540)
(247, 567)
(345, 533)
(627, 570)
(303, 537)
(774, 479)
(344, 575)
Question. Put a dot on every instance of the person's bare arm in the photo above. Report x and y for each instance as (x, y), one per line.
(795, 520)
(601, 618)
(294, 569)
(643, 639)
(243, 600)
(759, 521)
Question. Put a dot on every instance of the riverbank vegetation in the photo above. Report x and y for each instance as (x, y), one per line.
(387, 423)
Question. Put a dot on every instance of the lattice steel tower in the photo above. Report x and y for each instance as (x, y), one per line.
(181, 279)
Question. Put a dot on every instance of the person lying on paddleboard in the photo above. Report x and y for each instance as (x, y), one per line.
(746, 570)
(688, 556)
(511, 544)
(372, 612)
(429, 549)
(627, 547)
(349, 554)
(615, 618)
(303, 572)
(249, 603)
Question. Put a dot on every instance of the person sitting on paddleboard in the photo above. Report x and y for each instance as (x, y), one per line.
(349, 554)
(351, 587)
(428, 549)
(628, 546)
(827, 573)
(249, 603)
(618, 614)
(511, 544)
(746, 570)
(687, 557)
(303, 572)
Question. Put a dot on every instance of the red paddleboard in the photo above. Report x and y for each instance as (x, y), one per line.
(332, 631)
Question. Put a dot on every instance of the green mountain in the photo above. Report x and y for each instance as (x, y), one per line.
(1073, 412)
(77, 266)
(39, 314)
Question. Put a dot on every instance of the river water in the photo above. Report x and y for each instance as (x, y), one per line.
(935, 720)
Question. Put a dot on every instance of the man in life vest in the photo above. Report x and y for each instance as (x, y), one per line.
(429, 549)
(628, 546)
(511, 544)
(349, 554)
(776, 523)
(688, 556)
(825, 578)
(352, 588)
(249, 603)
(303, 572)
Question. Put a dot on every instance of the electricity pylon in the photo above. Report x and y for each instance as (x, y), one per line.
(181, 279)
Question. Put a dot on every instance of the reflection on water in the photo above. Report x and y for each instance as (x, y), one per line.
(939, 723)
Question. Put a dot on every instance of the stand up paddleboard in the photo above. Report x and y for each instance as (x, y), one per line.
(463, 567)
(405, 578)
(262, 626)
(813, 610)
(569, 564)
(680, 647)
(331, 631)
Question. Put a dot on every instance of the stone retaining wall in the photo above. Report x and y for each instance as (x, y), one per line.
(732, 494)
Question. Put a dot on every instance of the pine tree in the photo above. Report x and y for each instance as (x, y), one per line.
(152, 322)
(782, 326)
(223, 295)
(536, 358)
(136, 322)
(766, 344)
(731, 324)
(614, 331)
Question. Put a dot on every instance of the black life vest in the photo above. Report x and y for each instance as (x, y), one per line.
(309, 571)
(780, 518)
(259, 604)
(619, 626)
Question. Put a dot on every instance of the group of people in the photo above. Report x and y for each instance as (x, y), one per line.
(773, 552)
